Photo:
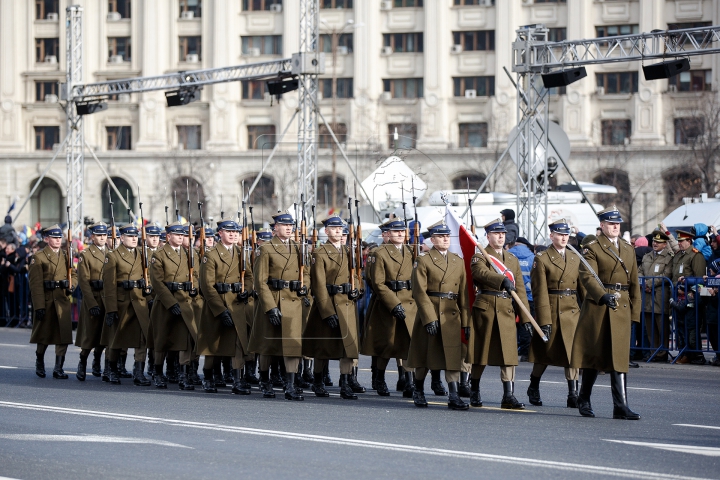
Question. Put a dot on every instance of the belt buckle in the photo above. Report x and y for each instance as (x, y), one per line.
(285, 284)
(618, 287)
(180, 287)
(567, 292)
(450, 295)
(504, 294)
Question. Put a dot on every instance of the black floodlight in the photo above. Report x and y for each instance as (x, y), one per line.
(564, 78)
(86, 108)
(667, 69)
(178, 98)
(279, 87)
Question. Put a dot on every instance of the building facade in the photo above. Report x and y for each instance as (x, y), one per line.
(432, 70)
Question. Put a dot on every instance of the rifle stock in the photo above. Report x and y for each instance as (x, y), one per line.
(113, 232)
(303, 245)
(143, 238)
(68, 260)
(191, 248)
(351, 253)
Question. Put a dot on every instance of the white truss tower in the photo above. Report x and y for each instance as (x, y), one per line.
(74, 146)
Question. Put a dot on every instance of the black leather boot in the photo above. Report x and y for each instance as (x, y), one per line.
(114, 377)
(40, 365)
(292, 392)
(265, 385)
(250, 377)
(106, 371)
(373, 377)
(454, 400)
(419, 394)
(436, 384)
(354, 384)
(621, 410)
(151, 363)
(402, 381)
(58, 371)
(184, 382)
(300, 378)
(194, 377)
(158, 379)
(227, 371)
(217, 373)
(409, 385)
(464, 386)
(81, 373)
(475, 399)
(319, 386)
(240, 387)
(346, 390)
(572, 398)
(533, 391)
(308, 372)
(326, 376)
(171, 368)
(509, 401)
(380, 386)
(139, 377)
(588, 380)
(275, 378)
(96, 368)
(209, 381)
(122, 371)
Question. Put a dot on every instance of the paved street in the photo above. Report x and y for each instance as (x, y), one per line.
(62, 429)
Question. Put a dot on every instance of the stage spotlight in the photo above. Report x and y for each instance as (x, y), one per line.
(667, 69)
(564, 78)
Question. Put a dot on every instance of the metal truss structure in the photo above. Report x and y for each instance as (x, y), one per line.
(75, 142)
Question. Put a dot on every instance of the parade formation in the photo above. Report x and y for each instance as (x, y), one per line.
(279, 301)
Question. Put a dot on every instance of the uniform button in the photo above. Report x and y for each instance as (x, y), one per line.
(561, 281)
(282, 298)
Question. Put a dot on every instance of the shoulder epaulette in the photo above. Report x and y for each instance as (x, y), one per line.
(539, 254)
(626, 242)
(422, 254)
(589, 243)
(695, 250)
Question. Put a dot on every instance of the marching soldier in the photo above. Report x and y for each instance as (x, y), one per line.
(124, 295)
(554, 283)
(602, 338)
(331, 330)
(439, 287)
(172, 315)
(371, 305)
(92, 315)
(277, 329)
(49, 291)
(222, 331)
(152, 240)
(392, 314)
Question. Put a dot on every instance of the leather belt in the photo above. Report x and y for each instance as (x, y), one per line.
(567, 292)
(131, 284)
(335, 289)
(228, 287)
(617, 287)
(178, 286)
(397, 285)
(96, 284)
(502, 294)
(448, 295)
(52, 285)
(279, 284)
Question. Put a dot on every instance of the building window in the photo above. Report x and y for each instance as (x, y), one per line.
(344, 87)
(120, 212)
(120, 6)
(557, 34)
(47, 205)
(404, 42)
(407, 3)
(407, 135)
(324, 193)
(344, 40)
(483, 86)
(261, 137)
(118, 138)
(45, 47)
(266, 44)
(259, 5)
(253, 90)
(622, 82)
(475, 40)
(680, 26)
(473, 2)
(194, 6)
(473, 135)
(190, 46)
(475, 179)
(263, 196)
(687, 130)
(614, 30)
(557, 91)
(189, 137)
(336, 3)
(46, 137)
(325, 140)
(119, 46)
(45, 88)
(404, 87)
(614, 132)
(43, 7)
(693, 81)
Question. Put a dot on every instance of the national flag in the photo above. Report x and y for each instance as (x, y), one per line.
(12, 206)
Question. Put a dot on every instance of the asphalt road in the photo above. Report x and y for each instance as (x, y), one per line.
(58, 429)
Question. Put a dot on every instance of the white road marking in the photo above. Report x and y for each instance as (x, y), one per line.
(695, 426)
(3, 366)
(671, 447)
(90, 439)
(459, 454)
(13, 345)
(606, 386)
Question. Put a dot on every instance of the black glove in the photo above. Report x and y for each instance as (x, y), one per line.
(528, 328)
(274, 315)
(302, 291)
(399, 312)
(193, 292)
(39, 314)
(609, 300)
(306, 301)
(69, 291)
(147, 291)
(175, 310)
(432, 327)
(332, 320)
(547, 330)
(111, 317)
(507, 285)
(243, 296)
(226, 319)
(466, 330)
(151, 302)
(95, 311)
(354, 294)
(362, 294)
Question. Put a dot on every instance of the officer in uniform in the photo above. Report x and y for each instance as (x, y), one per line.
(163, 240)
(554, 283)
(331, 330)
(371, 304)
(172, 315)
(124, 294)
(152, 241)
(439, 288)
(656, 295)
(602, 338)
(277, 329)
(49, 291)
(222, 330)
(92, 315)
(391, 315)
(494, 339)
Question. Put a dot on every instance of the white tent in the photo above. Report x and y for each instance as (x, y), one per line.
(390, 181)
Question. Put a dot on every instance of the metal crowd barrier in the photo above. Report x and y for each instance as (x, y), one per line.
(696, 318)
(15, 304)
(654, 335)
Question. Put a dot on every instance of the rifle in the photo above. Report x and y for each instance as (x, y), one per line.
(297, 232)
(315, 230)
(253, 243)
(358, 239)
(244, 242)
(303, 240)
(222, 212)
(351, 254)
(68, 260)
(191, 249)
(166, 209)
(143, 250)
(113, 232)
(404, 204)
(416, 226)
(202, 219)
(177, 210)
(472, 219)
(129, 210)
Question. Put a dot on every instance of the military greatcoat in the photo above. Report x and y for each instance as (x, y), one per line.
(90, 265)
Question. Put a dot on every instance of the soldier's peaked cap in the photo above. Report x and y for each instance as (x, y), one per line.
(659, 237)
(98, 228)
(610, 215)
(560, 226)
(333, 222)
(53, 231)
(395, 225)
(496, 226)
(283, 218)
(175, 227)
(684, 235)
(228, 225)
(439, 228)
(129, 230)
(264, 234)
(152, 230)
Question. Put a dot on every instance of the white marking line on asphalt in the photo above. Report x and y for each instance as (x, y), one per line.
(671, 447)
(89, 438)
(13, 345)
(521, 461)
(3, 366)
(607, 386)
(695, 426)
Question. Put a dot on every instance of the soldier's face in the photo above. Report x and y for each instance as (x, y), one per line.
(209, 241)
(152, 240)
(684, 244)
(228, 237)
(397, 237)
(658, 246)
(283, 231)
(128, 241)
(611, 230)
(559, 240)
(441, 242)
(496, 240)
(174, 239)
(54, 243)
(186, 241)
(334, 234)
(99, 240)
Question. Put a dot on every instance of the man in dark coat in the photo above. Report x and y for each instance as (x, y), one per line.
(512, 230)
